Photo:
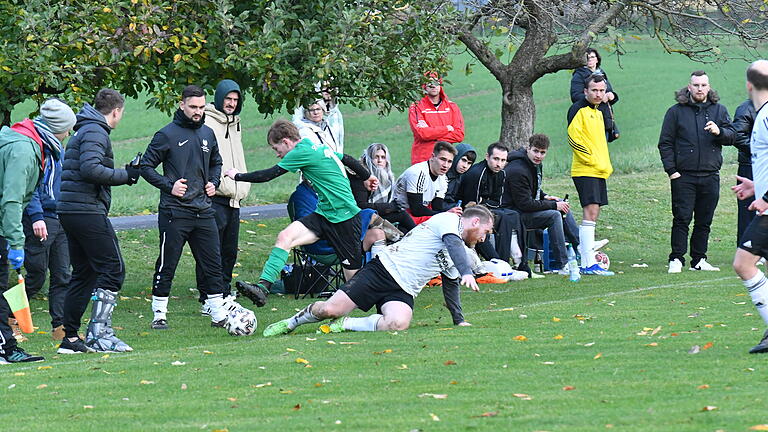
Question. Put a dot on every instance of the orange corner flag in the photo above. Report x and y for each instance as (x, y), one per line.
(19, 304)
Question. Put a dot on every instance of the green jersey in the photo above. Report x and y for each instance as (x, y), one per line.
(323, 168)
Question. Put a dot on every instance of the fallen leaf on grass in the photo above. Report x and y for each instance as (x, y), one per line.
(703, 387)
(453, 382)
(349, 343)
(402, 366)
(386, 351)
(555, 319)
(19, 374)
(488, 414)
(558, 337)
(178, 363)
(708, 345)
(87, 406)
(427, 306)
(656, 330)
(44, 367)
(760, 427)
(290, 350)
(231, 399)
(207, 352)
(694, 350)
(434, 417)
(11, 386)
(146, 382)
(262, 385)
(597, 356)
(297, 407)
(568, 388)
(325, 328)
(522, 396)
(309, 339)
(520, 338)
(709, 408)
(302, 361)
(41, 386)
(183, 386)
(449, 363)
(286, 391)
(652, 344)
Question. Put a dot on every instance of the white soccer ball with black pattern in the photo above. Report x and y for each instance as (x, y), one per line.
(241, 322)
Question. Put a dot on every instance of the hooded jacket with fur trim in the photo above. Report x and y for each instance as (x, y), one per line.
(684, 145)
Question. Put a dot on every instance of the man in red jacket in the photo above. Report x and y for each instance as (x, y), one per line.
(434, 118)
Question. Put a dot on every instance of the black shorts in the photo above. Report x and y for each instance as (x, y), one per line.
(591, 190)
(755, 237)
(374, 286)
(344, 237)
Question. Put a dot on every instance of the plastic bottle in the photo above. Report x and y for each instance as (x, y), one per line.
(538, 262)
(573, 265)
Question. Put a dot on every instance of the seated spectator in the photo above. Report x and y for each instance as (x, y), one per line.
(484, 184)
(465, 157)
(332, 114)
(538, 210)
(376, 159)
(422, 187)
(314, 126)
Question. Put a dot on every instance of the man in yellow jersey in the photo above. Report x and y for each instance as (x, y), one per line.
(590, 167)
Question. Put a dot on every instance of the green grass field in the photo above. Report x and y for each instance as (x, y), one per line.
(543, 355)
(603, 353)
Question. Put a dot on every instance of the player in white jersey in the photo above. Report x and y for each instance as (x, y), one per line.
(754, 242)
(396, 276)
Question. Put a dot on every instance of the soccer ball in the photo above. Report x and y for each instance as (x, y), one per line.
(241, 322)
(602, 260)
(498, 268)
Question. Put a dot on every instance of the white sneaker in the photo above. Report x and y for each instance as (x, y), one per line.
(599, 244)
(703, 265)
(675, 266)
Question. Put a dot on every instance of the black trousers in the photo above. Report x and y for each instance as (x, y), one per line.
(403, 220)
(42, 256)
(506, 223)
(693, 198)
(7, 341)
(228, 222)
(744, 216)
(201, 232)
(96, 263)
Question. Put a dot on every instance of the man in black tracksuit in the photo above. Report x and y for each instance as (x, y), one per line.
(97, 265)
(191, 172)
(743, 120)
(690, 144)
(483, 184)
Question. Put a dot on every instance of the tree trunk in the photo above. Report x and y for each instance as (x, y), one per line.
(518, 114)
(5, 115)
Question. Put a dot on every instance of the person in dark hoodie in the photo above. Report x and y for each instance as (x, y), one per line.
(743, 121)
(690, 144)
(538, 210)
(222, 116)
(45, 245)
(465, 157)
(189, 153)
(22, 149)
(97, 266)
(484, 184)
(610, 97)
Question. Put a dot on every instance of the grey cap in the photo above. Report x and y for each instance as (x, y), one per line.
(57, 115)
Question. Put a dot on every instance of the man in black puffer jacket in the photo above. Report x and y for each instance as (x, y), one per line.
(188, 150)
(88, 173)
(690, 144)
(743, 120)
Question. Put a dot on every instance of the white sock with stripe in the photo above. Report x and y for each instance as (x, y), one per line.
(758, 291)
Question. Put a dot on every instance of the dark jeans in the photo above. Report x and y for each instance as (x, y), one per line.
(228, 222)
(201, 232)
(42, 256)
(744, 216)
(693, 198)
(403, 220)
(553, 221)
(96, 263)
(506, 223)
(7, 341)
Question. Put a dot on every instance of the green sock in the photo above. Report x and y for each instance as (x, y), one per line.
(273, 266)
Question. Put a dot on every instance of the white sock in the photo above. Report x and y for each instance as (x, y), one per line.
(586, 243)
(362, 324)
(159, 307)
(216, 303)
(377, 247)
(758, 290)
(517, 254)
(304, 316)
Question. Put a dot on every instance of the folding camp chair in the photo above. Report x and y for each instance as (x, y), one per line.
(319, 269)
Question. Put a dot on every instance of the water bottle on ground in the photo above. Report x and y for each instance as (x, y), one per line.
(573, 265)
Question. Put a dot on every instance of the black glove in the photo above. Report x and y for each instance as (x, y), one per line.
(134, 173)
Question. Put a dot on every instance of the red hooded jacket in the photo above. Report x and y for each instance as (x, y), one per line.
(447, 113)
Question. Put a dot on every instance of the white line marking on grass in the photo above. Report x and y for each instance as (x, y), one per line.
(608, 294)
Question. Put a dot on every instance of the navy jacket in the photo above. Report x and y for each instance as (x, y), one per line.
(684, 145)
(187, 150)
(88, 168)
